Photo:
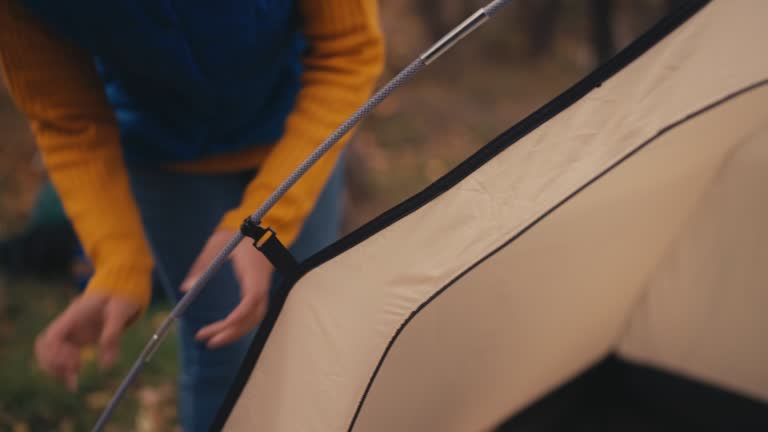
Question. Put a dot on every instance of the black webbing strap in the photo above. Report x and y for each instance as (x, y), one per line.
(272, 248)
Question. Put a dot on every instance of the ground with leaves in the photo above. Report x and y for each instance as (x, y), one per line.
(30, 401)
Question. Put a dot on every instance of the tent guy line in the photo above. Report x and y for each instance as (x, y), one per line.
(435, 51)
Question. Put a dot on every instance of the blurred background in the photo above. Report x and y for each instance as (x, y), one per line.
(533, 51)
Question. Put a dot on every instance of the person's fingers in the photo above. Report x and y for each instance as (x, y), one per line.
(88, 319)
(58, 358)
(50, 352)
(59, 361)
(253, 273)
(63, 363)
(236, 318)
(246, 311)
(224, 338)
(63, 325)
(71, 380)
(43, 350)
(246, 316)
(235, 331)
(69, 366)
(117, 315)
(210, 330)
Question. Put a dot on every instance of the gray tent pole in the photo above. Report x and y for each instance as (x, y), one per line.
(443, 45)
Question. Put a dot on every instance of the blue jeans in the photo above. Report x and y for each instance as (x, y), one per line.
(179, 213)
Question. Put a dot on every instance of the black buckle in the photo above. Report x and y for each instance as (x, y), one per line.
(252, 229)
(265, 240)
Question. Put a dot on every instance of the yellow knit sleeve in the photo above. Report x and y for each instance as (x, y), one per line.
(55, 86)
(345, 59)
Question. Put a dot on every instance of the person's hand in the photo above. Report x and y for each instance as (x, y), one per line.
(89, 319)
(253, 272)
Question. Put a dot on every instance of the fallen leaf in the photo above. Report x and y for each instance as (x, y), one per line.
(87, 354)
(20, 427)
(97, 400)
(67, 425)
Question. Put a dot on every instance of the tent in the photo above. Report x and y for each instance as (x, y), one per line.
(619, 229)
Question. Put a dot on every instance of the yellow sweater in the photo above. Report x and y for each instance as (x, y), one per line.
(55, 86)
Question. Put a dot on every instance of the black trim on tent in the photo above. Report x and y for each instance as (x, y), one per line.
(527, 228)
(637, 48)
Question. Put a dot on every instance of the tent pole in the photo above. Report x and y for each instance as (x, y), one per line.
(429, 56)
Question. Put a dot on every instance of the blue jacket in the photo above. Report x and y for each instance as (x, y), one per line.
(188, 79)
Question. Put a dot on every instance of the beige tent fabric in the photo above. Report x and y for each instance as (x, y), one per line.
(339, 318)
(705, 312)
(557, 298)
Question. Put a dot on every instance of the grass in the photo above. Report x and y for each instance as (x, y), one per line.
(30, 401)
